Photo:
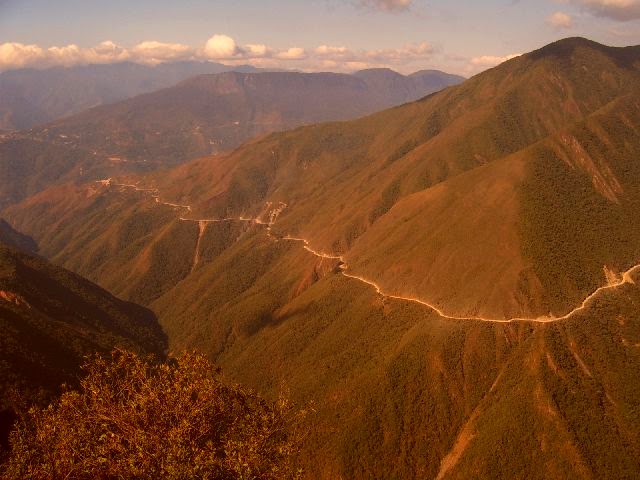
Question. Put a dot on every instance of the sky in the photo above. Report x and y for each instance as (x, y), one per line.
(463, 37)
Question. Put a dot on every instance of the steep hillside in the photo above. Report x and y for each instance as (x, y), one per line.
(554, 222)
(412, 197)
(15, 239)
(139, 244)
(453, 281)
(404, 393)
(200, 116)
(50, 319)
(460, 168)
(30, 97)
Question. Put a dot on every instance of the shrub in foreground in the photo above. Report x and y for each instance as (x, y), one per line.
(133, 418)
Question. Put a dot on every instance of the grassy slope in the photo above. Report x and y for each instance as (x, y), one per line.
(341, 181)
(394, 384)
(567, 407)
(131, 245)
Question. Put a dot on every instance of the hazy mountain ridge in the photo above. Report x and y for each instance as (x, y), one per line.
(209, 113)
(30, 97)
(200, 116)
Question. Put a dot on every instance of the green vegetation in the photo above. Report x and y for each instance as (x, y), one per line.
(133, 418)
(49, 320)
(570, 229)
(348, 186)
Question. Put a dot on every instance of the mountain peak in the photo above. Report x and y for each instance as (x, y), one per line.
(567, 48)
(378, 72)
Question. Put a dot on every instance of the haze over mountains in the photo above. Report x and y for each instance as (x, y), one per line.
(202, 115)
(376, 265)
(30, 97)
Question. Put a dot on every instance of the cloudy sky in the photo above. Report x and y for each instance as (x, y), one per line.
(459, 36)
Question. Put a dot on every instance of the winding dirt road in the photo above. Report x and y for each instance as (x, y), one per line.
(626, 278)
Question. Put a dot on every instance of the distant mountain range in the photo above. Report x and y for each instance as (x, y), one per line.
(200, 116)
(454, 281)
(212, 113)
(30, 97)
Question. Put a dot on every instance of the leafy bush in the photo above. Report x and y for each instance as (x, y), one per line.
(133, 418)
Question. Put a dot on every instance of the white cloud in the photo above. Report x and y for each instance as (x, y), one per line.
(560, 20)
(157, 52)
(67, 55)
(488, 61)
(293, 53)
(221, 47)
(18, 55)
(410, 57)
(386, 5)
(621, 10)
(483, 62)
(107, 52)
(258, 51)
(329, 50)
